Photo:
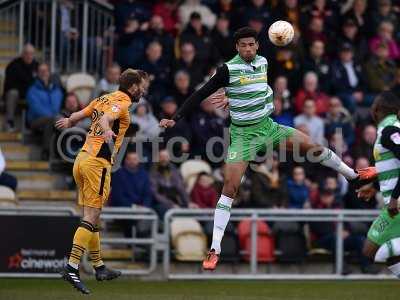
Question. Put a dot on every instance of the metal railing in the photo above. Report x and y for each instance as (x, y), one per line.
(271, 215)
(109, 214)
(163, 242)
(134, 214)
(72, 36)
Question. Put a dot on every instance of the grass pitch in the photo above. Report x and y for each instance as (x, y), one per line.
(32, 289)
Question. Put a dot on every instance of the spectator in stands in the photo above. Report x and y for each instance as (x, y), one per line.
(158, 70)
(385, 35)
(359, 15)
(44, 100)
(182, 88)
(267, 188)
(321, 9)
(168, 11)
(109, 83)
(73, 139)
(380, 70)
(123, 192)
(181, 131)
(384, 12)
(190, 64)
(203, 194)
(167, 185)
(347, 79)
(281, 91)
(281, 116)
(331, 183)
(338, 118)
(314, 123)
(315, 31)
(198, 35)
(19, 75)
(351, 201)
(325, 234)
(190, 6)
(316, 62)
(127, 9)
(222, 39)
(71, 105)
(298, 192)
(366, 147)
(289, 10)
(6, 179)
(130, 185)
(310, 91)
(147, 122)
(206, 124)
(286, 63)
(338, 145)
(351, 35)
(257, 8)
(157, 32)
(230, 9)
(131, 45)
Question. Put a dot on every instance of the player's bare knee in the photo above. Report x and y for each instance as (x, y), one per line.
(230, 189)
(369, 251)
(91, 215)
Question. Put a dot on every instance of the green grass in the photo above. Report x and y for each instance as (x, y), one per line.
(32, 289)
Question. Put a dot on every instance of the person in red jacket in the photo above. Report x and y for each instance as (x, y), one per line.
(204, 194)
(310, 91)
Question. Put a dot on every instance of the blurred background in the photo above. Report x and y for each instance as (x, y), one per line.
(291, 218)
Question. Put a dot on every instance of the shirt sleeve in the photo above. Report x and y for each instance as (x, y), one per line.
(390, 139)
(88, 110)
(219, 80)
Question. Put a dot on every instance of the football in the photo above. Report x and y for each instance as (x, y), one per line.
(281, 33)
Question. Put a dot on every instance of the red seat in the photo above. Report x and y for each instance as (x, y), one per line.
(265, 241)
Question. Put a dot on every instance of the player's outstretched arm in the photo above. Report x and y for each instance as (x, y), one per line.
(71, 121)
(219, 80)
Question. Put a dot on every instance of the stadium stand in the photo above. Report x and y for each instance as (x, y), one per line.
(335, 59)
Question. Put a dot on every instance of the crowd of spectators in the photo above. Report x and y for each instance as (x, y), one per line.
(343, 54)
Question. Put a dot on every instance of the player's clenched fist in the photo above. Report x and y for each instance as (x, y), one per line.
(109, 135)
(166, 123)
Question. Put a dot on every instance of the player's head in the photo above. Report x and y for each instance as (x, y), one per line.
(246, 41)
(385, 104)
(135, 82)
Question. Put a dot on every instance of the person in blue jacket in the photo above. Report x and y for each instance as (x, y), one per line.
(131, 185)
(298, 192)
(44, 99)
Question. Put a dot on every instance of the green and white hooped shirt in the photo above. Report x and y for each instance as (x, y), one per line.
(386, 163)
(250, 96)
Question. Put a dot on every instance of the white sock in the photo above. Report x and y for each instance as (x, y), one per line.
(221, 219)
(395, 269)
(75, 266)
(331, 160)
(388, 249)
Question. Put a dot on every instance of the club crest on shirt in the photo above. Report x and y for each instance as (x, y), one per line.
(115, 108)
